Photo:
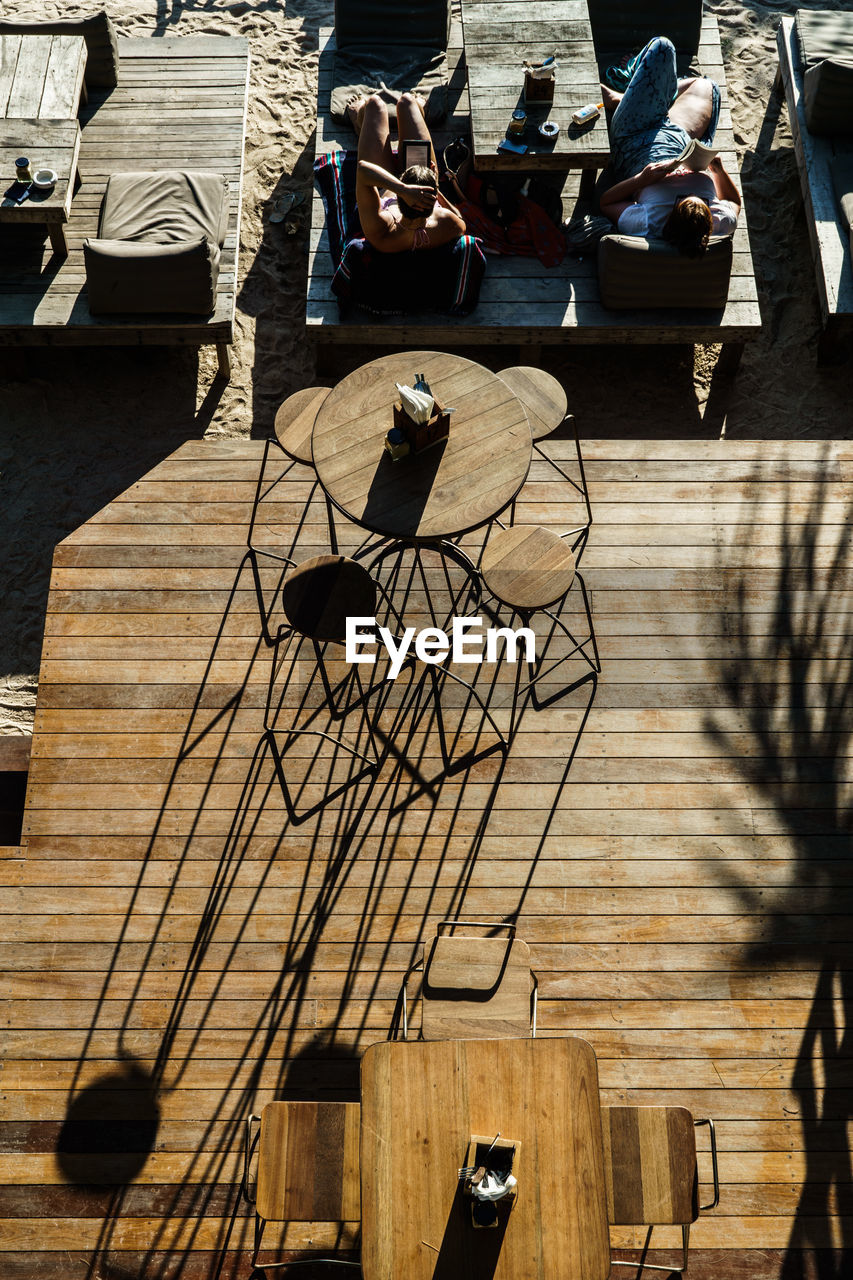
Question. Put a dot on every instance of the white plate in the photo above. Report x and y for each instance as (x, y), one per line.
(44, 178)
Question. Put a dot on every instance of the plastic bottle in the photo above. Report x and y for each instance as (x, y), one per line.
(588, 113)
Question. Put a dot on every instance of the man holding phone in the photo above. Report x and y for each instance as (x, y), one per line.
(402, 212)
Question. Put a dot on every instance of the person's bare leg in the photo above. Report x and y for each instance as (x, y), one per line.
(374, 136)
(610, 97)
(411, 125)
(693, 107)
(699, 99)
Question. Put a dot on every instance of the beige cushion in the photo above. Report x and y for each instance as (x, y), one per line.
(623, 26)
(825, 47)
(828, 98)
(165, 208)
(370, 24)
(637, 273)
(127, 276)
(97, 31)
(822, 36)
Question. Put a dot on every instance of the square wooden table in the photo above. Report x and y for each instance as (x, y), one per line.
(421, 1101)
(498, 38)
(49, 144)
(41, 84)
(41, 77)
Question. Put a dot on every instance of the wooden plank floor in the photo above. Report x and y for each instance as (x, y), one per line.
(180, 103)
(522, 301)
(176, 953)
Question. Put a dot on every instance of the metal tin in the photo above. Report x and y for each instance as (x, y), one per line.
(518, 123)
(23, 172)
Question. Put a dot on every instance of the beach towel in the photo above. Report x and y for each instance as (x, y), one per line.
(526, 232)
(446, 279)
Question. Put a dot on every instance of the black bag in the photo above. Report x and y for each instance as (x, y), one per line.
(499, 198)
(548, 197)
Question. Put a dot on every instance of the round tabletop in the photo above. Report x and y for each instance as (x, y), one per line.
(444, 491)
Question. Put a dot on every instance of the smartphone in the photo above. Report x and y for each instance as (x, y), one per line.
(415, 152)
(17, 193)
(517, 148)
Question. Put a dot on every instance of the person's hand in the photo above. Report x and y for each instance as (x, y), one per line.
(654, 172)
(716, 165)
(420, 198)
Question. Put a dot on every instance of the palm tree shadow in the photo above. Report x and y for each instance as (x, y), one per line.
(790, 679)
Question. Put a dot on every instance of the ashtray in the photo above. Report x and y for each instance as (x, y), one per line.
(44, 179)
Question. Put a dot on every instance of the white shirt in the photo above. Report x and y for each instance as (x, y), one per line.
(646, 217)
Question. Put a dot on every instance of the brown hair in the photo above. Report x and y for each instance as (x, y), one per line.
(689, 226)
(419, 176)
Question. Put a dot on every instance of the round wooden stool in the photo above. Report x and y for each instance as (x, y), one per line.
(294, 423)
(527, 567)
(546, 406)
(317, 597)
(542, 396)
(293, 427)
(321, 593)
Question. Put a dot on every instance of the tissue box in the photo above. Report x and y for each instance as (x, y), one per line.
(503, 1158)
(538, 90)
(421, 435)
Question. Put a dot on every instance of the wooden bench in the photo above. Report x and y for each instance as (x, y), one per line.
(180, 103)
(521, 301)
(830, 240)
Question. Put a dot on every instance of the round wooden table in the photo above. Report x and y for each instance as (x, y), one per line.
(443, 492)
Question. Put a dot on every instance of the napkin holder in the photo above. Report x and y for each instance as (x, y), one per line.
(500, 1156)
(538, 88)
(422, 435)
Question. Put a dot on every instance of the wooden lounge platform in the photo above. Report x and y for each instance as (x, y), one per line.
(521, 301)
(176, 954)
(829, 238)
(180, 103)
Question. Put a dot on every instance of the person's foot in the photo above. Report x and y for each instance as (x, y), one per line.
(355, 113)
(610, 98)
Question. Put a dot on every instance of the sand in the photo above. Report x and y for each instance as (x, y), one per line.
(79, 427)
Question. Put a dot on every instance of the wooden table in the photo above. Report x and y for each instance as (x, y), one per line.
(41, 84)
(445, 491)
(48, 144)
(420, 1102)
(498, 38)
(41, 77)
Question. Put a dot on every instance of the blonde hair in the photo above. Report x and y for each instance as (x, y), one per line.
(689, 226)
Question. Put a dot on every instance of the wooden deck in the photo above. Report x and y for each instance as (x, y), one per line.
(521, 301)
(180, 103)
(175, 953)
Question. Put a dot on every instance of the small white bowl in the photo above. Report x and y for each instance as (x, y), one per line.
(44, 179)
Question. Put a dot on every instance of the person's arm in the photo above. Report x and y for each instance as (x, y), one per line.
(723, 185)
(373, 175)
(616, 199)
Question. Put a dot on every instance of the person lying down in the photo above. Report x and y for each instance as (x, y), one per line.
(653, 119)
